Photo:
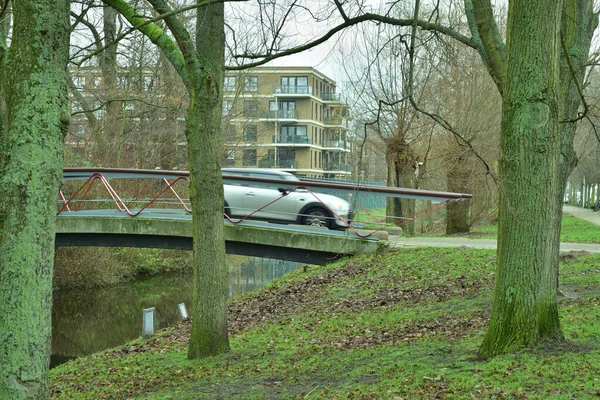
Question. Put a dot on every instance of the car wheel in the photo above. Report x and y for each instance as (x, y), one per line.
(316, 217)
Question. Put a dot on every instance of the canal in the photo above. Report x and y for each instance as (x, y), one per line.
(85, 321)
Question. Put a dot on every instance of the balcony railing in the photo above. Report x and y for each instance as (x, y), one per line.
(304, 90)
(292, 139)
(340, 144)
(334, 97)
(281, 114)
(281, 164)
(338, 121)
(336, 166)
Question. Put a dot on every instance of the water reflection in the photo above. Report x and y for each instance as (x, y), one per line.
(86, 321)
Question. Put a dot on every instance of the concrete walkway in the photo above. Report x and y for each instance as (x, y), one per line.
(583, 213)
(423, 241)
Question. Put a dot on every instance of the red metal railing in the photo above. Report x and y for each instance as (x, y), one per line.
(169, 179)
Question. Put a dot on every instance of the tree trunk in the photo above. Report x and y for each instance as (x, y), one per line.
(37, 121)
(524, 307)
(4, 29)
(113, 120)
(203, 126)
(457, 212)
(578, 27)
(401, 173)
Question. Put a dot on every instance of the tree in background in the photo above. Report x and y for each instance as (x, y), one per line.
(378, 79)
(127, 99)
(33, 75)
(463, 92)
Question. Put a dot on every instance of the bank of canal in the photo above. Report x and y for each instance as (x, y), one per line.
(85, 321)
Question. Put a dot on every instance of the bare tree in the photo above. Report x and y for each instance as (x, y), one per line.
(378, 76)
(546, 40)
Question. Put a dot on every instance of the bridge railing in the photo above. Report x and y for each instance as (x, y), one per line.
(134, 192)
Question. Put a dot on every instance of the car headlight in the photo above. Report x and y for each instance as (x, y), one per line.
(339, 204)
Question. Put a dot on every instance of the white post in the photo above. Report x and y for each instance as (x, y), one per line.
(183, 314)
(148, 322)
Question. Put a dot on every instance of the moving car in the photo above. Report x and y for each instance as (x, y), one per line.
(284, 203)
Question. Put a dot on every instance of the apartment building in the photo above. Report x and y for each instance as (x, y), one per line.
(290, 118)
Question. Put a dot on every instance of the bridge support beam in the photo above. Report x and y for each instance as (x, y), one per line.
(292, 243)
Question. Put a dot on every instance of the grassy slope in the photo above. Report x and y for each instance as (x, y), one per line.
(403, 324)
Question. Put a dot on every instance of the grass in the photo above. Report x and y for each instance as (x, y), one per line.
(401, 324)
(573, 230)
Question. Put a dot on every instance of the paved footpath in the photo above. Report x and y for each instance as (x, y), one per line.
(423, 241)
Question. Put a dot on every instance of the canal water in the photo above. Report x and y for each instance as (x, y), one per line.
(85, 321)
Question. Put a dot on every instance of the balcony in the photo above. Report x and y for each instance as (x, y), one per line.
(333, 98)
(337, 167)
(336, 122)
(336, 143)
(286, 163)
(276, 115)
(292, 139)
(292, 91)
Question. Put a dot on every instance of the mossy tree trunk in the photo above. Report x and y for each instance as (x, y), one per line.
(203, 132)
(201, 66)
(4, 30)
(541, 94)
(37, 121)
(524, 305)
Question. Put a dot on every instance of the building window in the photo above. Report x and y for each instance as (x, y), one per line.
(293, 134)
(249, 158)
(250, 108)
(293, 130)
(76, 108)
(128, 107)
(229, 84)
(99, 109)
(294, 81)
(287, 109)
(78, 131)
(79, 82)
(227, 107)
(94, 82)
(123, 82)
(229, 132)
(148, 83)
(250, 133)
(250, 83)
(229, 159)
(295, 85)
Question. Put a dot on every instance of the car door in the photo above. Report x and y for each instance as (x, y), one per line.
(234, 200)
(279, 206)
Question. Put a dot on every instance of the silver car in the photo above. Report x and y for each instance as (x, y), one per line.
(284, 203)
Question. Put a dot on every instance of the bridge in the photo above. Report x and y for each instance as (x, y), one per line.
(162, 219)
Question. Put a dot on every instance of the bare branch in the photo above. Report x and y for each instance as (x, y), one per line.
(567, 56)
(368, 17)
(3, 9)
(341, 10)
(493, 51)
